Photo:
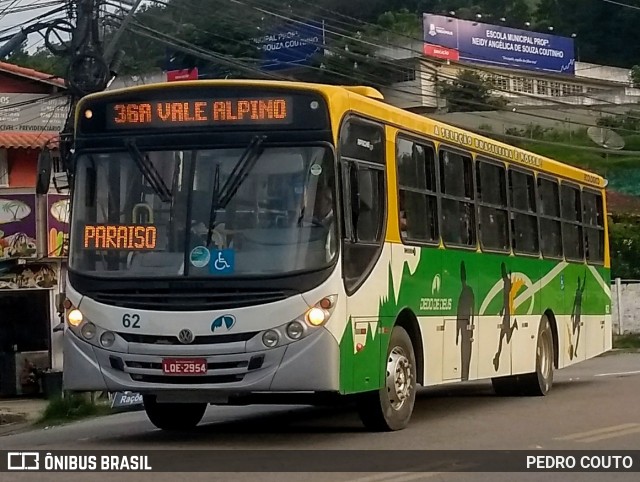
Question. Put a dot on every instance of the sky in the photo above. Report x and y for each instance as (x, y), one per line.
(10, 20)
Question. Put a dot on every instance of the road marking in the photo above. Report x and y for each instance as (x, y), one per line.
(635, 372)
(620, 433)
(606, 430)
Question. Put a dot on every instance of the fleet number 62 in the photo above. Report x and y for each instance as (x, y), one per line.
(131, 320)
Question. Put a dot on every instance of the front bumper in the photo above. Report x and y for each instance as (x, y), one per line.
(308, 365)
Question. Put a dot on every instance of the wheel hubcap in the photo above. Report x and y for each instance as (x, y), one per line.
(399, 378)
(544, 352)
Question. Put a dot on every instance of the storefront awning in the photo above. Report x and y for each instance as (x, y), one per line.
(27, 140)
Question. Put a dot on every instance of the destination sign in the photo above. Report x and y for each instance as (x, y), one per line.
(129, 237)
(190, 112)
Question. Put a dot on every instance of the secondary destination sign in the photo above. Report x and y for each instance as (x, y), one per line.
(130, 237)
(263, 110)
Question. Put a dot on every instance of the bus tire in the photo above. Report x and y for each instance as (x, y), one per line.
(505, 386)
(173, 416)
(539, 382)
(390, 407)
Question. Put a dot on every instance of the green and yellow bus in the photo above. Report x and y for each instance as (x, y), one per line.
(238, 242)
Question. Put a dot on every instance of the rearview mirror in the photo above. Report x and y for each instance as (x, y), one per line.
(44, 172)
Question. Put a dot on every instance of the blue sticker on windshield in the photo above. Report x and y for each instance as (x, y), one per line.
(200, 256)
(222, 261)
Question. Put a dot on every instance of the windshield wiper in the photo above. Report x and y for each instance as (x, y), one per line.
(149, 171)
(221, 197)
(241, 170)
(215, 194)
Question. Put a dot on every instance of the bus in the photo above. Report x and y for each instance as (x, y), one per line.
(238, 242)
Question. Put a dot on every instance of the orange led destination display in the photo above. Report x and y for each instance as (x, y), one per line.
(264, 110)
(130, 237)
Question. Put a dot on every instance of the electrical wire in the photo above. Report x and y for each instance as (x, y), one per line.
(479, 104)
(533, 115)
(382, 82)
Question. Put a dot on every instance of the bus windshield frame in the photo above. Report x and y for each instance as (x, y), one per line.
(282, 199)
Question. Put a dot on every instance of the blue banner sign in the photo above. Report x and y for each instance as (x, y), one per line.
(291, 45)
(497, 45)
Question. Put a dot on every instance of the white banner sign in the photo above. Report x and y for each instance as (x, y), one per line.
(32, 112)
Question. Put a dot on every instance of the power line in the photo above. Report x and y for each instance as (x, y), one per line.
(421, 94)
(201, 51)
(372, 44)
(480, 104)
(626, 5)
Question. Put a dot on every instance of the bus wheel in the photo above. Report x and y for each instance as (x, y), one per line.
(539, 383)
(505, 386)
(173, 416)
(390, 408)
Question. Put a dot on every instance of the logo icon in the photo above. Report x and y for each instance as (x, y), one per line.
(185, 336)
(200, 256)
(432, 30)
(365, 143)
(435, 285)
(225, 320)
(23, 461)
(223, 261)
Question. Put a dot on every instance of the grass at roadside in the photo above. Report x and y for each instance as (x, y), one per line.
(630, 341)
(70, 408)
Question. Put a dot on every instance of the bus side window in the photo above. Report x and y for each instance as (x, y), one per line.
(571, 208)
(458, 207)
(593, 226)
(523, 212)
(362, 161)
(550, 223)
(418, 206)
(492, 205)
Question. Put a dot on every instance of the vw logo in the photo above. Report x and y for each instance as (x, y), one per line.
(185, 336)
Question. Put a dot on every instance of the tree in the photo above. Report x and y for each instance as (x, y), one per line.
(624, 237)
(41, 60)
(635, 76)
(469, 92)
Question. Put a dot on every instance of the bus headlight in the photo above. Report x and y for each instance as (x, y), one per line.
(107, 339)
(74, 317)
(270, 338)
(316, 316)
(295, 330)
(319, 313)
(88, 330)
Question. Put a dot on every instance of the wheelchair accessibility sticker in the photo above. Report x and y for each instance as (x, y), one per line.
(199, 256)
(222, 261)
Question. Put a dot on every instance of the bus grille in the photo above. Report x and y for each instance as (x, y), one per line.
(198, 340)
(184, 380)
(187, 300)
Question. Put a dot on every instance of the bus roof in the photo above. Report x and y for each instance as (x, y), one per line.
(368, 101)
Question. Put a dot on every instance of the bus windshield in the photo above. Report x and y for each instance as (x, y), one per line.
(253, 211)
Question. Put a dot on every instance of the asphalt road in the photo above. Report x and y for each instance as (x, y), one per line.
(592, 406)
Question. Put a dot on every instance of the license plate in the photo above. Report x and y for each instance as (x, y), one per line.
(184, 366)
